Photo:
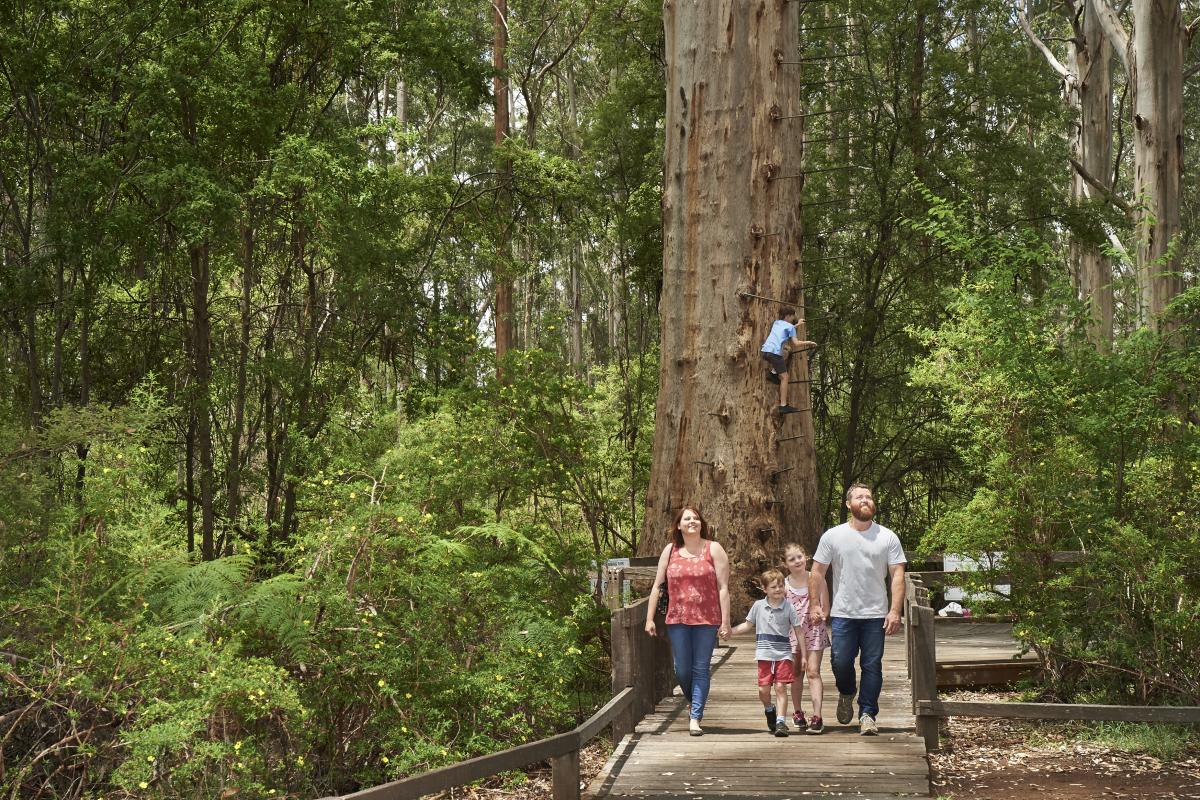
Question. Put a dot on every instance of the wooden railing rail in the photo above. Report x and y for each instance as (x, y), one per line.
(919, 638)
(562, 751)
(922, 671)
(641, 661)
(641, 675)
(932, 709)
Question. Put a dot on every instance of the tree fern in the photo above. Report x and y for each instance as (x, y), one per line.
(186, 596)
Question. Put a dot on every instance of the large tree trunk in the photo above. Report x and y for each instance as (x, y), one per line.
(1153, 59)
(1156, 61)
(1092, 65)
(1087, 88)
(728, 228)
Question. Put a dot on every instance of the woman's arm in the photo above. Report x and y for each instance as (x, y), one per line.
(721, 562)
(652, 603)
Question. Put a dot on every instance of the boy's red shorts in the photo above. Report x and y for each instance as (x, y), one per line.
(772, 672)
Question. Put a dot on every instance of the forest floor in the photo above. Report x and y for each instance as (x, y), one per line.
(982, 759)
(996, 759)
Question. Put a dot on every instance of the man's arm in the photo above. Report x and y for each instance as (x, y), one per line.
(818, 593)
(721, 565)
(891, 622)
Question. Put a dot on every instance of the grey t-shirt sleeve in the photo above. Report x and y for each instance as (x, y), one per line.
(824, 552)
(752, 614)
(896, 552)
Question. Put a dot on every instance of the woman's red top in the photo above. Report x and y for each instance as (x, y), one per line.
(692, 585)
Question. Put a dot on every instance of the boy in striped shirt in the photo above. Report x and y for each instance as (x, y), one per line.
(773, 619)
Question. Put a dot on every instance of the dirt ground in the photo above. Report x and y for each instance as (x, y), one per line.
(990, 759)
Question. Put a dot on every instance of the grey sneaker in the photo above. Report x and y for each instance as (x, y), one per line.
(867, 726)
(845, 709)
(781, 728)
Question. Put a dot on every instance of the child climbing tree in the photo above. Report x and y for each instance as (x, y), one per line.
(731, 229)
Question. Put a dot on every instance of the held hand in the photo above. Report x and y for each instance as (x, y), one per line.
(891, 623)
(724, 632)
(816, 616)
(650, 629)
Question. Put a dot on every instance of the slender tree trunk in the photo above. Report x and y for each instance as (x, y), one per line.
(502, 275)
(728, 228)
(575, 257)
(617, 300)
(1091, 63)
(233, 469)
(202, 392)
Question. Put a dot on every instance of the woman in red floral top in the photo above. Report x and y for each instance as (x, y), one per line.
(697, 572)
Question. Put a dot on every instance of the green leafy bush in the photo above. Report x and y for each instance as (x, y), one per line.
(1071, 448)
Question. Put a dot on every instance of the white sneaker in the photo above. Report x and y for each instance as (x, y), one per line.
(867, 726)
(694, 728)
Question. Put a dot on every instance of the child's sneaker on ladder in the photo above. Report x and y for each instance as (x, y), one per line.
(788, 410)
(799, 721)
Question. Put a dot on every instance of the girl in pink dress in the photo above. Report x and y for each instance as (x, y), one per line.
(807, 653)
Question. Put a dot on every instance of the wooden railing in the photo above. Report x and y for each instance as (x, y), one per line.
(921, 654)
(638, 680)
(922, 671)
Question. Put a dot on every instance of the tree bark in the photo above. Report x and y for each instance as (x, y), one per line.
(202, 392)
(1092, 61)
(502, 275)
(728, 228)
(1087, 88)
(1153, 60)
(1157, 65)
(233, 468)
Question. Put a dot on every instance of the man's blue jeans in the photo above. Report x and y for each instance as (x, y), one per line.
(852, 637)
(692, 648)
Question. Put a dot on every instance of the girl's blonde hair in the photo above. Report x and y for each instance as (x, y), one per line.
(790, 546)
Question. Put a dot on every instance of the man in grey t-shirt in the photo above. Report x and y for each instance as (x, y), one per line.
(864, 556)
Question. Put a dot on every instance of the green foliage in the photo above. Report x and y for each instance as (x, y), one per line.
(1071, 449)
(1165, 742)
(413, 621)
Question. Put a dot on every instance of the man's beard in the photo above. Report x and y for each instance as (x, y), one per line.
(864, 514)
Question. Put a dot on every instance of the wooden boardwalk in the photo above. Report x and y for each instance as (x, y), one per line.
(738, 758)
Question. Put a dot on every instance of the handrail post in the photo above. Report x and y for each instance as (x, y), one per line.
(614, 579)
(924, 667)
(564, 776)
(624, 653)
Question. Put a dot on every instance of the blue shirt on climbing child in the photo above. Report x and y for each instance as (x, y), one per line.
(781, 331)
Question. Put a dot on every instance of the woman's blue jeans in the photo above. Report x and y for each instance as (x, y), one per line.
(862, 638)
(692, 648)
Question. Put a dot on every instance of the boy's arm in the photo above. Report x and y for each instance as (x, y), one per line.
(801, 344)
(742, 627)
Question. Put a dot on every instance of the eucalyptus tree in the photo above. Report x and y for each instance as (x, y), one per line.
(1153, 57)
(731, 229)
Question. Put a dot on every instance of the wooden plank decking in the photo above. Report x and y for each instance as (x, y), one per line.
(738, 758)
